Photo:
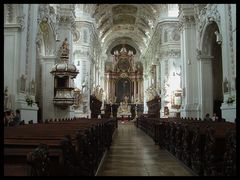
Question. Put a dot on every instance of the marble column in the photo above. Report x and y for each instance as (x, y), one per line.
(142, 89)
(145, 95)
(107, 87)
(114, 88)
(19, 31)
(111, 88)
(135, 88)
(157, 76)
(188, 52)
(206, 93)
(48, 109)
(66, 25)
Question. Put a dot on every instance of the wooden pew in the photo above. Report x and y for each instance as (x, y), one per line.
(201, 145)
(229, 159)
(22, 140)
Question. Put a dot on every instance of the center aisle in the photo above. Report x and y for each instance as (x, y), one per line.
(133, 153)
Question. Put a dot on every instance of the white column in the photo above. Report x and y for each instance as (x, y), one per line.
(14, 58)
(11, 61)
(206, 97)
(111, 86)
(107, 84)
(162, 86)
(134, 88)
(188, 49)
(142, 89)
(48, 109)
(157, 75)
(139, 87)
(145, 96)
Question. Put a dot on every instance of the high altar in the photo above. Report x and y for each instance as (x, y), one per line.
(124, 80)
(124, 110)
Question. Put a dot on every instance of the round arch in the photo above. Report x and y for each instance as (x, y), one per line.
(211, 70)
(46, 39)
(45, 47)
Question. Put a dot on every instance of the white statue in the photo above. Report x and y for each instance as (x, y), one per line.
(115, 99)
(7, 99)
(23, 83)
(101, 94)
(126, 99)
(94, 91)
(123, 108)
(97, 91)
(218, 37)
(32, 87)
(123, 50)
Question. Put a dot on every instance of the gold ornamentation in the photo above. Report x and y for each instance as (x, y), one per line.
(44, 27)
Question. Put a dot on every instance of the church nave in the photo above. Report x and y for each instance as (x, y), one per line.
(73, 72)
(133, 153)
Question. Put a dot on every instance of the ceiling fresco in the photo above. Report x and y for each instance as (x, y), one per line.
(116, 21)
(124, 19)
(124, 9)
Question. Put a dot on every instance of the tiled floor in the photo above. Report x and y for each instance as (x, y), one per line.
(133, 153)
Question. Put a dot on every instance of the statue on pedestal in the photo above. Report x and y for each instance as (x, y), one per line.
(124, 109)
(126, 99)
(7, 100)
(32, 87)
(64, 50)
(23, 81)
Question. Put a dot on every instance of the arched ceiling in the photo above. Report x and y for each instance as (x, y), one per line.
(133, 22)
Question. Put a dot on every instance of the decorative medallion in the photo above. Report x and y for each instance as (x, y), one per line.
(123, 75)
(123, 65)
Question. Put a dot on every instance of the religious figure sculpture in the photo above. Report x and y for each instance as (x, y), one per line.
(225, 86)
(126, 99)
(85, 85)
(32, 87)
(64, 50)
(77, 97)
(100, 95)
(97, 91)
(124, 109)
(7, 100)
(115, 99)
(218, 37)
(123, 50)
(23, 83)
(151, 93)
(94, 91)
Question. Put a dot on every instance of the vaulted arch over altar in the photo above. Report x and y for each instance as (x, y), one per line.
(124, 78)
